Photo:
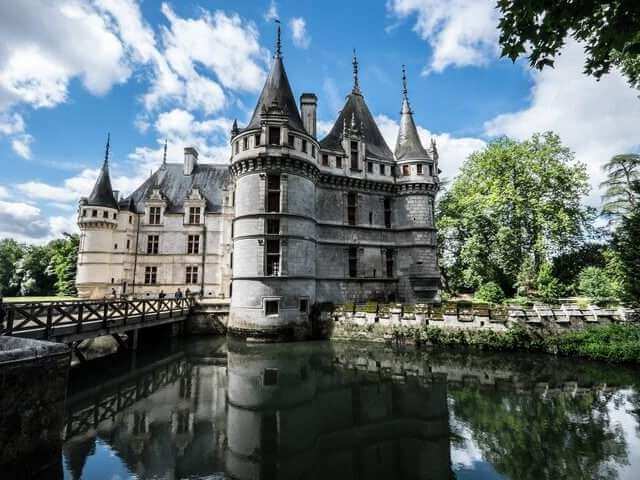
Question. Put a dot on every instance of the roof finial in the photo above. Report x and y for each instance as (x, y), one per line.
(404, 82)
(164, 154)
(278, 41)
(356, 83)
(106, 150)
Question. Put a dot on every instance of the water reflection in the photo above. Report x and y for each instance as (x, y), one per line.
(211, 409)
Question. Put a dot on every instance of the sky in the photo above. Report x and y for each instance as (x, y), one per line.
(145, 71)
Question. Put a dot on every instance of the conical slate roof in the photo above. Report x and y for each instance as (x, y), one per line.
(277, 92)
(102, 193)
(408, 144)
(356, 110)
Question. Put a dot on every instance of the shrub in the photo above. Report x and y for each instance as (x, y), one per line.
(549, 288)
(595, 283)
(490, 292)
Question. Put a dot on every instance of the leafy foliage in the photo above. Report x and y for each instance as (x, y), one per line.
(10, 253)
(513, 205)
(567, 267)
(595, 283)
(64, 263)
(610, 31)
(626, 243)
(547, 285)
(490, 292)
(620, 197)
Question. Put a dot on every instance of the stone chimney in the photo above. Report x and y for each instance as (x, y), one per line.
(308, 106)
(190, 160)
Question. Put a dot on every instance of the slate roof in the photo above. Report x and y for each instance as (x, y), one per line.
(277, 91)
(175, 186)
(102, 193)
(376, 147)
(408, 145)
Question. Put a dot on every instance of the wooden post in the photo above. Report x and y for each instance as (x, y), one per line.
(47, 333)
(80, 311)
(105, 309)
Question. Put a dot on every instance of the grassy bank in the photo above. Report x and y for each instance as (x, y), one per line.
(612, 343)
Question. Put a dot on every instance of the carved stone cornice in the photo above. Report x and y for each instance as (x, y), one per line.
(340, 181)
(284, 164)
(416, 188)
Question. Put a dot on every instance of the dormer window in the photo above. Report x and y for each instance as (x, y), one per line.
(354, 156)
(154, 215)
(194, 215)
(274, 135)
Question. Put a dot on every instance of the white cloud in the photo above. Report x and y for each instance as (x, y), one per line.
(43, 191)
(4, 193)
(459, 32)
(11, 123)
(22, 221)
(299, 34)
(323, 127)
(595, 119)
(22, 145)
(272, 12)
(453, 151)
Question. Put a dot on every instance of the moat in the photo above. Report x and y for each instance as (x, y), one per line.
(209, 408)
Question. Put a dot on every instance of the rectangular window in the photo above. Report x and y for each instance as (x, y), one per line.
(419, 168)
(430, 170)
(115, 246)
(273, 193)
(274, 136)
(237, 147)
(353, 262)
(387, 213)
(304, 146)
(194, 215)
(304, 305)
(193, 244)
(94, 213)
(313, 151)
(191, 274)
(382, 169)
(114, 216)
(273, 226)
(150, 275)
(154, 215)
(272, 255)
(338, 162)
(370, 218)
(325, 160)
(351, 208)
(405, 170)
(271, 307)
(270, 376)
(105, 214)
(245, 143)
(370, 167)
(291, 141)
(152, 244)
(256, 140)
(389, 263)
(128, 244)
(354, 156)
(130, 219)
(84, 213)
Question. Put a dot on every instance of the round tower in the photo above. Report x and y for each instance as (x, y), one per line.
(273, 164)
(97, 220)
(417, 185)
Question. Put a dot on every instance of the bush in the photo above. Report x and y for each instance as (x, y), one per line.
(489, 292)
(595, 283)
(549, 288)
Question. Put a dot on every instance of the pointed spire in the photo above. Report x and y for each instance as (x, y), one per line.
(434, 149)
(106, 150)
(408, 144)
(102, 193)
(278, 42)
(356, 82)
(234, 128)
(164, 155)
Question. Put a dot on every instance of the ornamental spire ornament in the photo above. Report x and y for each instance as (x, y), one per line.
(164, 155)
(278, 42)
(356, 83)
(106, 150)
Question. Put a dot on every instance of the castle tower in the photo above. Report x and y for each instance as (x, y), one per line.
(417, 185)
(273, 165)
(98, 219)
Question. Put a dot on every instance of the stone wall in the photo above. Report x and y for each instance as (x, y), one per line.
(33, 382)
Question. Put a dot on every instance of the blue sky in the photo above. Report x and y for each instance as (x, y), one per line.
(73, 70)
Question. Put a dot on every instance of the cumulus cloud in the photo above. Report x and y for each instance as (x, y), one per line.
(595, 119)
(4, 193)
(299, 34)
(459, 32)
(22, 221)
(21, 144)
(453, 150)
(272, 12)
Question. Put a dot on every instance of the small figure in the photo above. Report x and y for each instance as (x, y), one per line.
(178, 294)
(187, 293)
(114, 295)
(161, 295)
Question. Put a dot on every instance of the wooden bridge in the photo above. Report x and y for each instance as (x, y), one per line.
(73, 321)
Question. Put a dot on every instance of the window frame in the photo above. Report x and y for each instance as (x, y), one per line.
(155, 215)
(153, 244)
(150, 275)
(193, 244)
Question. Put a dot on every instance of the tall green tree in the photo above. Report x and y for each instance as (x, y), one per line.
(626, 243)
(514, 206)
(64, 263)
(10, 253)
(32, 275)
(620, 198)
(609, 29)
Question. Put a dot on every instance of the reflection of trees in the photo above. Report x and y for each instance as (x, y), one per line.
(527, 437)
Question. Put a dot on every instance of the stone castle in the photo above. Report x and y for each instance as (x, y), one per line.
(290, 222)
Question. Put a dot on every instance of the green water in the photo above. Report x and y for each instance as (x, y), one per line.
(209, 409)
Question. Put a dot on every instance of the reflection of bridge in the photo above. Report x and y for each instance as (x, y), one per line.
(78, 320)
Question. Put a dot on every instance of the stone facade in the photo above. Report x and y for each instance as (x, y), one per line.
(291, 223)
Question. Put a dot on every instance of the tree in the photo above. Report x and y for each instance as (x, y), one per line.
(595, 283)
(10, 253)
(513, 206)
(610, 31)
(567, 267)
(619, 196)
(31, 275)
(64, 263)
(490, 292)
(627, 247)
(548, 286)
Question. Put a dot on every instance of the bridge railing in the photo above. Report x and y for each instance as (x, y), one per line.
(42, 319)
